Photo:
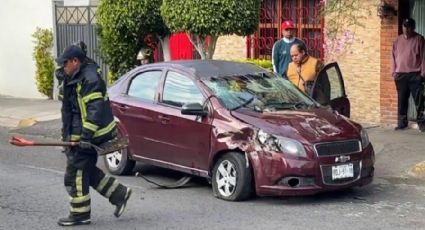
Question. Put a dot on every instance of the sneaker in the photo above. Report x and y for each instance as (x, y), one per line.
(74, 220)
(121, 207)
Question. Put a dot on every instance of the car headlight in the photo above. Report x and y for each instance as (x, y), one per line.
(364, 138)
(281, 144)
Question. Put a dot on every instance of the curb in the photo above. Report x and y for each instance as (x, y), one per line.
(418, 170)
(27, 122)
(17, 123)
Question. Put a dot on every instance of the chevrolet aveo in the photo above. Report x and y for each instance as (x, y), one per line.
(242, 127)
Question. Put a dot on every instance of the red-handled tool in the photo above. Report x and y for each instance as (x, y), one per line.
(113, 145)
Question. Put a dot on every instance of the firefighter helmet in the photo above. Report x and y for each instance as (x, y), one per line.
(144, 53)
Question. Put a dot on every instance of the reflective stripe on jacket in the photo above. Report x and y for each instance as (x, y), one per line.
(86, 111)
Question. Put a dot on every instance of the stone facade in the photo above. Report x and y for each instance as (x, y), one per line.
(360, 66)
(230, 48)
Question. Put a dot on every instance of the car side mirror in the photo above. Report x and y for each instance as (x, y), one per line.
(194, 109)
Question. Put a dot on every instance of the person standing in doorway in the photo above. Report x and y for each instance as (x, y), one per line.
(87, 119)
(408, 70)
(281, 56)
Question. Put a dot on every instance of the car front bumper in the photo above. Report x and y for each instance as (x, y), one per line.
(279, 175)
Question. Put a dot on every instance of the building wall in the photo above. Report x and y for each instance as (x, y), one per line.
(360, 66)
(366, 66)
(389, 31)
(18, 21)
(230, 47)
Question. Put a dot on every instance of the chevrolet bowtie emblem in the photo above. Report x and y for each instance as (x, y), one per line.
(342, 159)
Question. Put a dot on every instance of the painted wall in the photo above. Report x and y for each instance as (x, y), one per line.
(18, 21)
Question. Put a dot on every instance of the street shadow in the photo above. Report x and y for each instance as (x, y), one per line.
(168, 176)
(378, 191)
(347, 195)
(354, 195)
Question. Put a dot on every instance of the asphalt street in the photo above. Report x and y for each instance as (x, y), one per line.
(32, 195)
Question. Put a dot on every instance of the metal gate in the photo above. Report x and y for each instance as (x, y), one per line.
(304, 13)
(77, 24)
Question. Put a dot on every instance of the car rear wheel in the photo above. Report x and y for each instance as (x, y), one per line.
(232, 180)
(118, 162)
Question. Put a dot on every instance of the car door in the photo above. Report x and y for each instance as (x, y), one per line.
(329, 90)
(184, 139)
(136, 111)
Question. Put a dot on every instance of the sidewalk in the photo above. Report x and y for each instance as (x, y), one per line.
(399, 154)
(21, 112)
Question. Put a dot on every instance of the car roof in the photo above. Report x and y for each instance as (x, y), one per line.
(212, 68)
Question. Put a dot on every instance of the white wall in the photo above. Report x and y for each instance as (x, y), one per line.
(18, 21)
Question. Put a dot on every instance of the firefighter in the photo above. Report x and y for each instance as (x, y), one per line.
(60, 74)
(87, 119)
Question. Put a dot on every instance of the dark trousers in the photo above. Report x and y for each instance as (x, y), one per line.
(409, 84)
(81, 173)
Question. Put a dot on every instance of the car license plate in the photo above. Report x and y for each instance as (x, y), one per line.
(342, 171)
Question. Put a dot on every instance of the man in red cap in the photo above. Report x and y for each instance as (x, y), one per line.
(281, 56)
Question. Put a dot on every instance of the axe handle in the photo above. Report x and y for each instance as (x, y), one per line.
(20, 141)
(54, 143)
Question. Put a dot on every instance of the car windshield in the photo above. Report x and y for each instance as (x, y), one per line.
(258, 92)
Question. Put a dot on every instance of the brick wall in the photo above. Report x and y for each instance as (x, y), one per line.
(389, 31)
(361, 68)
(230, 47)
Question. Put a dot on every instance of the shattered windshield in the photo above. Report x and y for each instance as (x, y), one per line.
(258, 92)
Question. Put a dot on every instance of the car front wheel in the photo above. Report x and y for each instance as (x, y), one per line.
(118, 162)
(232, 180)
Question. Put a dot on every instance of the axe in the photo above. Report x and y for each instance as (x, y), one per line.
(111, 146)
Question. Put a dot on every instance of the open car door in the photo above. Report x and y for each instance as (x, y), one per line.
(328, 89)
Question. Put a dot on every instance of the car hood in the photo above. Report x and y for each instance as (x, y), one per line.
(315, 125)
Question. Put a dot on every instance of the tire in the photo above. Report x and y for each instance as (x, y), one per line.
(231, 179)
(118, 163)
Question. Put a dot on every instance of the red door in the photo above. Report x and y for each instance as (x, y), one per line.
(180, 47)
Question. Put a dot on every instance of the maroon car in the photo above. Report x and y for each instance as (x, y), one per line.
(242, 127)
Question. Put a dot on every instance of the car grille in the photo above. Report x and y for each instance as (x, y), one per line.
(327, 174)
(337, 148)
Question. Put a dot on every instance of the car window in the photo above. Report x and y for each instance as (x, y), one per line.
(179, 90)
(257, 91)
(144, 85)
(328, 85)
(336, 87)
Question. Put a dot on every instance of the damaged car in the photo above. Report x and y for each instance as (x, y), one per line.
(244, 128)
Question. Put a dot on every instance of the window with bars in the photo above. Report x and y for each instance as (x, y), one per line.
(304, 13)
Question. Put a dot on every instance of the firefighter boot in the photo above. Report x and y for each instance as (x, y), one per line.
(72, 220)
(120, 207)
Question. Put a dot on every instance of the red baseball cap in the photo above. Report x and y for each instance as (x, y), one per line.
(288, 24)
